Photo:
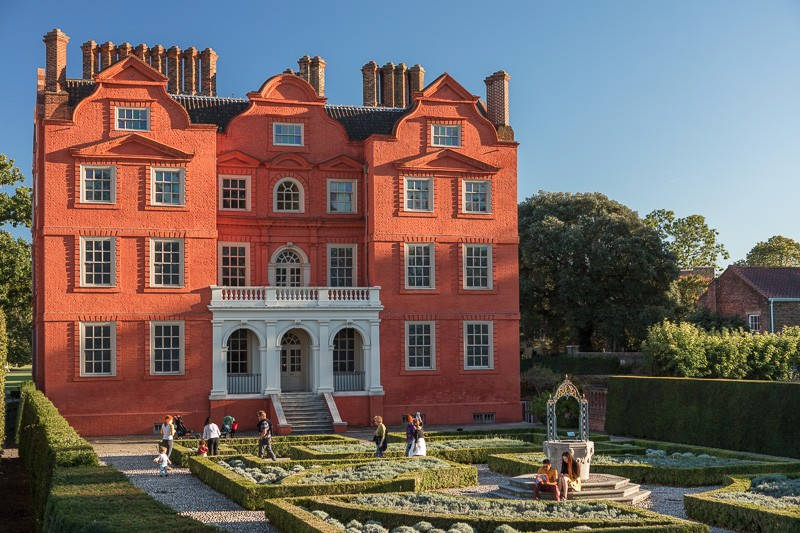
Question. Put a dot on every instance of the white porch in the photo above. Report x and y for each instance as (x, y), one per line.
(268, 340)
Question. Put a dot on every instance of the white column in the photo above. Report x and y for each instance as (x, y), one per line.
(324, 358)
(263, 359)
(272, 357)
(219, 363)
(374, 376)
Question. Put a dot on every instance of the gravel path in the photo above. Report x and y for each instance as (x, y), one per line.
(669, 500)
(180, 490)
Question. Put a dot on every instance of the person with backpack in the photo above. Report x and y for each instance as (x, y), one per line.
(265, 436)
(167, 434)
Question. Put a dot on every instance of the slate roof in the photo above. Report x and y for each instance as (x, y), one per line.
(359, 121)
(772, 282)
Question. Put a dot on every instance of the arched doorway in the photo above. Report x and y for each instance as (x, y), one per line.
(294, 361)
(244, 376)
(348, 364)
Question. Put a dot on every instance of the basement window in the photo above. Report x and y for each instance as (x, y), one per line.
(483, 418)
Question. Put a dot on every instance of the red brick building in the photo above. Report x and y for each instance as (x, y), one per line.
(200, 255)
(767, 298)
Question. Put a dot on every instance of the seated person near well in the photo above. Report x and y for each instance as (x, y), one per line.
(546, 479)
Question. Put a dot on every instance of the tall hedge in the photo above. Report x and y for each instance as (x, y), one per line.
(756, 416)
(3, 357)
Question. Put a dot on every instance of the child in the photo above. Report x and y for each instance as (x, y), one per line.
(202, 450)
(163, 461)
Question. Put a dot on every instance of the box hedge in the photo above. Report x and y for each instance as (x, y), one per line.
(101, 499)
(464, 455)
(288, 515)
(251, 495)
(739, 516)
(757, 416)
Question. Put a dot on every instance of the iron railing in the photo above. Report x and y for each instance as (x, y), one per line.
(244, 383)
(348, 381)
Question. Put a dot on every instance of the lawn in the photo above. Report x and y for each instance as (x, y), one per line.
(16, 376)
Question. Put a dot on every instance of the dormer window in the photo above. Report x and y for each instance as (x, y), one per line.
(286, 134)
(445, 135)
(133, 118)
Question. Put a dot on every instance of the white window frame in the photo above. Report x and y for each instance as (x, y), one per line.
(432, 247)
(182, 268)
(246, 246)
(750, 317)
(113, 194)
(113, 269)
(113, 333)
(302, 133)
(491, 344)
(430, 191)
(182, 172)
(433, 136)
(353, 202)
(354, 248)
(300, 188)
(221, 178)
(432, 324)
(490, 265)
(117, 109)
(182, 356)
(488, 197)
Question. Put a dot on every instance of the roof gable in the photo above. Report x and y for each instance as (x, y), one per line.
(131, 146)
(771, 282)
(132, 70)
(287, 87)
(445, 87)
(447, 160)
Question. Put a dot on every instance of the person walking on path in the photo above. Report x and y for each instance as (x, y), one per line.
(163, 461)
(420, 449)
(211, 435)
(380, 436)
(167, 434)
(411, 433)
(265, 435)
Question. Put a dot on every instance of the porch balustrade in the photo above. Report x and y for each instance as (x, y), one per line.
(348, 381)
(244, 383)
(362, 297)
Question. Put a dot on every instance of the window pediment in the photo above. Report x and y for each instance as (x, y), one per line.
(133, 146)
(446, 160)
(236, 158)
(341, 163)
(289, 161)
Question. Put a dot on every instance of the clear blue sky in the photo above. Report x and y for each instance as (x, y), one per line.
(692, 106)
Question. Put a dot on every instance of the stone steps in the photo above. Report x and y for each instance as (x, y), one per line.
(598, 487)
(306, 412)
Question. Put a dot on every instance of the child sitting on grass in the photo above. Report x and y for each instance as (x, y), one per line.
(202, 450)
(163, 461)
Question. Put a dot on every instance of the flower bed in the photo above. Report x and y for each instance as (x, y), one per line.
(412, 513)
(762, 503)
(678, 468)
(468, 451)
(248, 480)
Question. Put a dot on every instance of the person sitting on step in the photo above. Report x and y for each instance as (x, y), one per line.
(546, 479)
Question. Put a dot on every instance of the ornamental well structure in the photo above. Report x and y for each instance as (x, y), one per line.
(203, 255)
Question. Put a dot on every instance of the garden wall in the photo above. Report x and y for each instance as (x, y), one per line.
(755, 416)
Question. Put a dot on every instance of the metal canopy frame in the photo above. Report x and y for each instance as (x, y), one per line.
(567, 389)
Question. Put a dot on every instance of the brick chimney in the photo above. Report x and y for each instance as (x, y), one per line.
(387, 85)
(174, 74)
(497, 104)
(141, 52)
(400, 85)
(189, 71)
(305, 65)
(416, 79)
(369, 73)
(208, 67)
(316, 75)
(124, 50)
(90, 51)
(55, 77)
(158, 58)
(108, 55)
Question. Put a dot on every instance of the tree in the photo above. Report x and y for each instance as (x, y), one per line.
(690, 239)
(778, 251)
(591, 270)
(15, 264)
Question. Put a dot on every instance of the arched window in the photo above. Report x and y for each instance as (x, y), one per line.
(291, 353)
(344, 351)
(288, 196)
(288, 269)
(238, 352)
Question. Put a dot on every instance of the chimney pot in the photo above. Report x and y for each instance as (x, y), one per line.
(369, 73)
(316, 75)
(55, 60)
(497, 103)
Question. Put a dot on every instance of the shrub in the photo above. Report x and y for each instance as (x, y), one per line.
(676, 349)
(757, 416)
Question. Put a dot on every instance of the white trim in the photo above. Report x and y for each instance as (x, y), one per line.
(491, 344)
(488, 197)
(113, 335)
(82, 178)
(140, 108)
(302, 133)
(152, 262)
(353, 247)
(750, 317)
(113, 269)
(432, 324)
(432, 247)
(490, 265)
(300, 188)
(353, 201)
(182, 172)
(247, 195)
(430, 194)
(305, 264)
(181, 364)
(460, 139)
(246, 246)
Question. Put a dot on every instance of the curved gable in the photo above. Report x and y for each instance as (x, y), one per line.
(288, 87)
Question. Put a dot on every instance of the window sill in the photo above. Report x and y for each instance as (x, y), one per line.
(164, 377)
(420, 372)
(477, 216)
(98, 205)
(149, 207)
(420, 214)
(156, 290)
(477, 371)
(477, 292)
(97, 378)
(96, 290)
(419, 291)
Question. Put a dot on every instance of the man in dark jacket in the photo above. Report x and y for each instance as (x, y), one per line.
(411, 435)
(265, 435)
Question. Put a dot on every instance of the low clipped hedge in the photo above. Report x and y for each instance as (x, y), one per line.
(535, 435)
(99, 498)
(287, 515)
(737, 515)
(755, 416)
(464, 456)
(251, 495)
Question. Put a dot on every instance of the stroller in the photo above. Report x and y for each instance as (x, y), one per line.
(229, 426)
(181, 430)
